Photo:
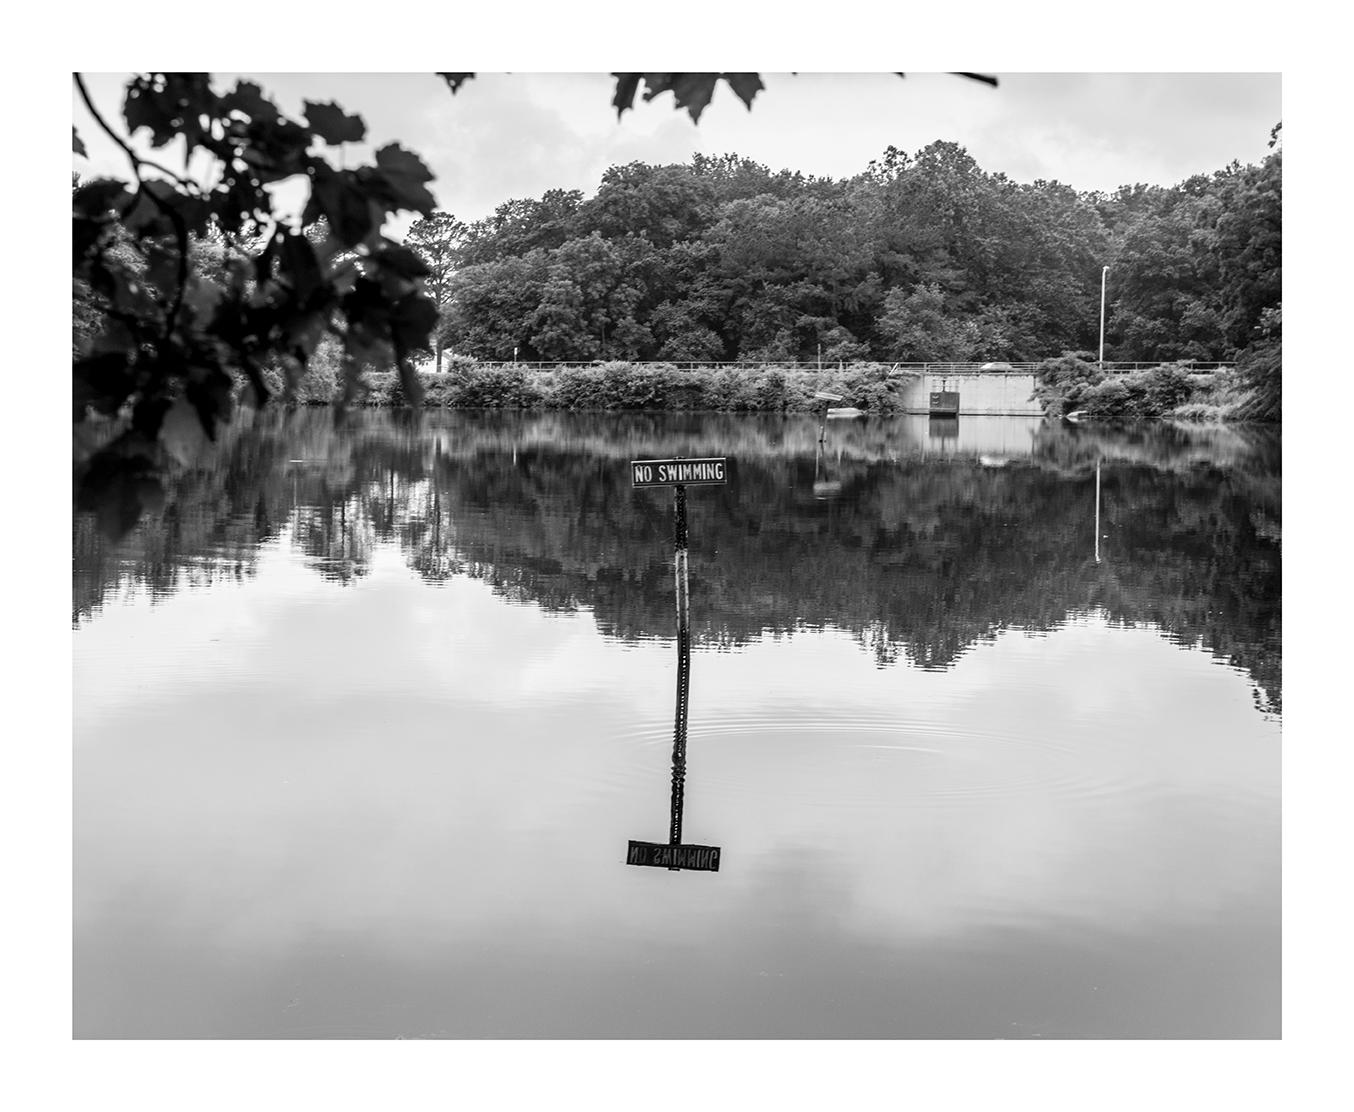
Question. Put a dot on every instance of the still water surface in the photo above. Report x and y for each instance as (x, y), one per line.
(366, 717)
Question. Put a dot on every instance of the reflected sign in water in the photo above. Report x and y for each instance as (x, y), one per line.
(676, 855)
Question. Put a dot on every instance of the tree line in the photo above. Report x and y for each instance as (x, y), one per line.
(921, 257)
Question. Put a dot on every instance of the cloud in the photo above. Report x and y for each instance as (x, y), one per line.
(522, 135)
(519, 134)
(1099, 131)
(504, 143)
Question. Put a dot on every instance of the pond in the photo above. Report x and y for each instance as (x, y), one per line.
(984, 720)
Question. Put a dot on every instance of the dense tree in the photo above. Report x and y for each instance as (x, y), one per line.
(522, 225)
(920, 257)
(1167, 283)
(1261, 367)
(663, 204)
(437, 238)
(492, 303)
(1248, 244)
(1197, 266)
(919, 328)
(733, 177)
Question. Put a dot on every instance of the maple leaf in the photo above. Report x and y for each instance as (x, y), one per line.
(332, 124)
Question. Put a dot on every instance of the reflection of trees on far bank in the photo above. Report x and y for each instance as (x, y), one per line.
(920, 553)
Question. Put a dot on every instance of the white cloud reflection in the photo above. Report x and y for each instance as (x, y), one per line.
(459, 776)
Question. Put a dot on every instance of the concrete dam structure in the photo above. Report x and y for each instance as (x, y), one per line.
(967, 392)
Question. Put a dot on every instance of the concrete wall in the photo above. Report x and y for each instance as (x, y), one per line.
(993, 393)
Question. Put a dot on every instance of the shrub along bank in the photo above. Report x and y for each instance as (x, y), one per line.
(1074, 383)
(1071, 383)
(623, 386)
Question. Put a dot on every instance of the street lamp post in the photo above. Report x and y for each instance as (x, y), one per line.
(1097, 511)
(1104, 273)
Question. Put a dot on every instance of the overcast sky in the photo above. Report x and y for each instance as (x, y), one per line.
(517, 135)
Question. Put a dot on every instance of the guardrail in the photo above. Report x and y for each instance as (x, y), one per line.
(1192, 365)
(813, 365)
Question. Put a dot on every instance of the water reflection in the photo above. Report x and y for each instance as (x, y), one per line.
(676, 854)
(824, 486)
(920, 545)
(358, 739)
(943, 433)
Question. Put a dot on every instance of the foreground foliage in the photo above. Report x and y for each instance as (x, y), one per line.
(184, 284)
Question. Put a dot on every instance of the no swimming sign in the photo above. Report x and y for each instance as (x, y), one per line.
(678, 472)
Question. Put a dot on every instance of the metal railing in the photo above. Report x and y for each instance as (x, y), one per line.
(1194, 365)
(825, 366)
(1120, 367)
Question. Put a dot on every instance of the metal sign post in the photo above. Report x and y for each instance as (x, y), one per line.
(676, 854)
(679, 567)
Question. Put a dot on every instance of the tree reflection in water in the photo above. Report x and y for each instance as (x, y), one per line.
(924, 549)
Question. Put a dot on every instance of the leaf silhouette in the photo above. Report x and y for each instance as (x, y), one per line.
(627, 84)
(745, 86)
(406, 174)
(332, 124)
(691, 91)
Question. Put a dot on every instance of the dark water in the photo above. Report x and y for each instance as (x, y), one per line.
(366, 717)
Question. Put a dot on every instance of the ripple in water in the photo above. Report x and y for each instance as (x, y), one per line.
(809, 757)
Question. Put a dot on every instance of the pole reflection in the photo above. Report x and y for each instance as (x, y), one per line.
(676, 855)
(1097, 511)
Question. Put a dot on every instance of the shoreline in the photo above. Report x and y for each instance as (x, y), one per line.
(619, 386)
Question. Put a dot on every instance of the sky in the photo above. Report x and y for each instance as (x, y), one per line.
(507, 135)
